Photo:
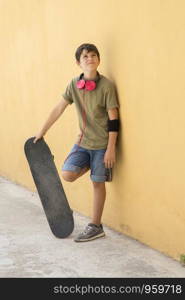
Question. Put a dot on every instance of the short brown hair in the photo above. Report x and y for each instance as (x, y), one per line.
(88, 47)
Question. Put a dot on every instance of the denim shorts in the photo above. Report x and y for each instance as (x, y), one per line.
(80, 157)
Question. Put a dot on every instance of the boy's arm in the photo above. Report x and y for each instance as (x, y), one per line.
(53, 117)
(110, 157)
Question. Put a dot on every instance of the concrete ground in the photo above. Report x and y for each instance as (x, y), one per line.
(28, 249)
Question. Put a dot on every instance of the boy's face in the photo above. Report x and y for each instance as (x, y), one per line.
(89, 61)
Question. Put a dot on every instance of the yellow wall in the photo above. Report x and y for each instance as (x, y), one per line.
(142, 50)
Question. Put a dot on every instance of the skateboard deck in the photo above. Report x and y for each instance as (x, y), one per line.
(49, 187)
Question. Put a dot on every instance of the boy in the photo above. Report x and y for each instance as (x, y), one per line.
(95, 99)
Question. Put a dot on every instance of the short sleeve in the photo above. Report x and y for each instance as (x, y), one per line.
(68, 93)
(111, 97)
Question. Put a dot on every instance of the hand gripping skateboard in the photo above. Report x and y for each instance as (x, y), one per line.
(49, 187)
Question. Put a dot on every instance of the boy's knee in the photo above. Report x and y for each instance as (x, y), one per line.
(69, 176)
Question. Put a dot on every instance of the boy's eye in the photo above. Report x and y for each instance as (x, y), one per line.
(92, 55)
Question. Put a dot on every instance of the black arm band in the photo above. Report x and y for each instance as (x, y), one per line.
(113, 125)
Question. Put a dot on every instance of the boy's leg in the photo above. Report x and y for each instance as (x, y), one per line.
(95, 229)
(99, 195)
(98, 176)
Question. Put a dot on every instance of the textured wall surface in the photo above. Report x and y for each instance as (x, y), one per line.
(142, 50)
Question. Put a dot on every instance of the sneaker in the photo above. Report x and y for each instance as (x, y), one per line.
(91, 232)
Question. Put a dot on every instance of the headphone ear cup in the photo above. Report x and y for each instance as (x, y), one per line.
(80, 84)
(90, 85)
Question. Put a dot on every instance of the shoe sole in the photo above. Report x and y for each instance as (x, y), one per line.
(91, 238)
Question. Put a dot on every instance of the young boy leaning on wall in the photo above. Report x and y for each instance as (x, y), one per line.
(97, 107)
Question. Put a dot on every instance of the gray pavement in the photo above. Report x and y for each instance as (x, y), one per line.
(28, 249)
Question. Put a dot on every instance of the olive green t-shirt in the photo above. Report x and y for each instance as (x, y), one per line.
(92, 108)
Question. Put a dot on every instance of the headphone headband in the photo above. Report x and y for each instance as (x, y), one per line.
(81, 77)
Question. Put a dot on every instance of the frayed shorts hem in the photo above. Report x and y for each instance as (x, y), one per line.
(97, 178)
(76, 169)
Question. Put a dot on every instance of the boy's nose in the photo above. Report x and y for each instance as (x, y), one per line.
(90, 60)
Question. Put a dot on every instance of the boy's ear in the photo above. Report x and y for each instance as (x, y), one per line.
(77, 62)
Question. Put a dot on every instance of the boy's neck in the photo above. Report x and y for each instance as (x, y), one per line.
(90, 75)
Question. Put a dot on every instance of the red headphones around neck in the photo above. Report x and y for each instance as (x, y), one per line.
(88, 85)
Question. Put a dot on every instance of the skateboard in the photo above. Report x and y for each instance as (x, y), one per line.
(49, 186)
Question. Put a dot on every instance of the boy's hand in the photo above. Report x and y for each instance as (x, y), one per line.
(109, 157)
(37, 137)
